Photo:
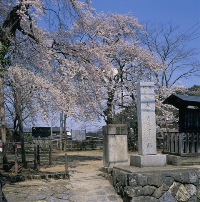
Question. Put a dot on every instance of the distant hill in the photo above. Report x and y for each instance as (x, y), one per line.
(194, 90)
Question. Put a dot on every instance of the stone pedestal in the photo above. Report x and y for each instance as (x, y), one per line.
(115, 151)
(183, 160)
(146, 128)
(148, 160)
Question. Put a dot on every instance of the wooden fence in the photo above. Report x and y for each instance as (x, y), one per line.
(183, 144)
(79, 145)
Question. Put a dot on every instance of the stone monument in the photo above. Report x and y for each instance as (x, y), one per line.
(147, 153)
(115, 149)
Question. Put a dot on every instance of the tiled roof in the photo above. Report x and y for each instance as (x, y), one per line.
(178, 100)
(188, 98)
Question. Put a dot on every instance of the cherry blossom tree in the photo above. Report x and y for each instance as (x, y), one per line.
(122, 61)
(24, 46)
(66, 56)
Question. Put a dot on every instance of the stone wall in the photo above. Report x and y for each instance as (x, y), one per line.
(162, 186)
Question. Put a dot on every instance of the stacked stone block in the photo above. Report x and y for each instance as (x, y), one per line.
(115, 149)
(171, 186)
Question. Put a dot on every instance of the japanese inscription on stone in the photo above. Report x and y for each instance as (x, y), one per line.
(146, 118)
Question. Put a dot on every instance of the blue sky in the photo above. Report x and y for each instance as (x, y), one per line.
(183, 13)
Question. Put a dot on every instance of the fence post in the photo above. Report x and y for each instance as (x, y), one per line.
(66, 163)
(164, 142)
(50, 155)
(181, 143)
(168, 142)
(187, 143)
(171, 142)
(35, 157)
(176, 143)
(192, 143)
(38, 154)
(198, 143)
(16, 160)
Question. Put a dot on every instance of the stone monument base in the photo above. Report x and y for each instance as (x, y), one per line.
(183, 160)
(148, 160)
(166, 184)
(115, 148)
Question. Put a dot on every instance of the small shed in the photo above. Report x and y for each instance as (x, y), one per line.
(189, 111)
(186, 142)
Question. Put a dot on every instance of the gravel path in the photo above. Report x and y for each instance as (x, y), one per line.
(86, 184)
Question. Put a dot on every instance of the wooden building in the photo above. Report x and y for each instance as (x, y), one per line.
(186, 142)
(189, 111)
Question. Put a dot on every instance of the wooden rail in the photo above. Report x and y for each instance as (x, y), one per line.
(183, 144)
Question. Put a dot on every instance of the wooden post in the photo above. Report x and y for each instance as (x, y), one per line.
(171, 142)
(38, 154)
(198, 143)
(187, 143)
(176, 143)
(35, 158)
(180, 144)
(66, 163)
(168, 142)
(164, 142)
(57, 146)
(16, 161)
(50, 155)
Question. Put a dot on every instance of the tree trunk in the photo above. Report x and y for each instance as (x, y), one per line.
(109, 110)
(3, 121)
(2, 110)
(20, 122)
(7, 31)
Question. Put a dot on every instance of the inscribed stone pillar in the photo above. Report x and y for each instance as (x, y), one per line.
(147, 155)
(146, 118)
(115, 150)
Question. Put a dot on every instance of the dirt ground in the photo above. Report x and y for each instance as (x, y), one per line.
(87, 182)
(77, 161)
